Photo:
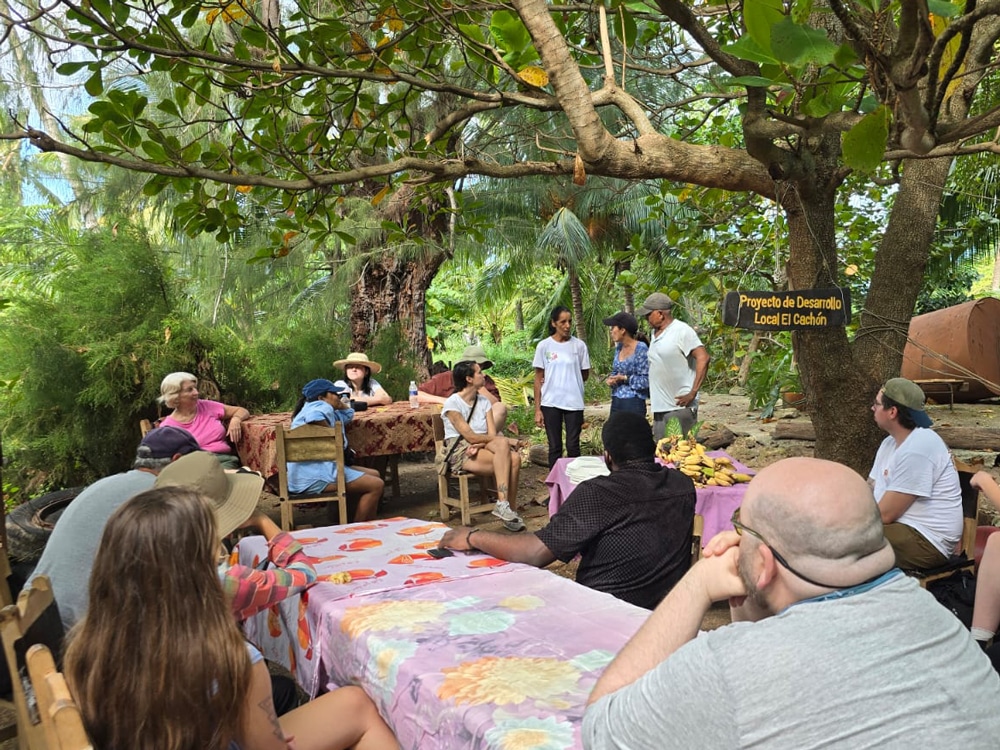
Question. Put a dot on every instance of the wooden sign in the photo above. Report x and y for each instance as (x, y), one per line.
(788, 311)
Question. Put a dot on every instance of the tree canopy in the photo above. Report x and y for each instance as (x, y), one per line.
(297, 106)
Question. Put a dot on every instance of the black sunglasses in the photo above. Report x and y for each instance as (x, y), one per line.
(740, 528)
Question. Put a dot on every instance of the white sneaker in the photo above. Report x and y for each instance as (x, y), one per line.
(511, 521)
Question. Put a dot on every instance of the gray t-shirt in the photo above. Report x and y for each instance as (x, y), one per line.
(887, 668)
(69, 553)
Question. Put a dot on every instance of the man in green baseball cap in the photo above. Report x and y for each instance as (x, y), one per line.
(914, 480)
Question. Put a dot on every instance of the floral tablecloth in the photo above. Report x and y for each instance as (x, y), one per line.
(464, 652)
(382, 430)
(714, 504)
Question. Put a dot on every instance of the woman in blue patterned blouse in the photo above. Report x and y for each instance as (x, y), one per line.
(629, 378)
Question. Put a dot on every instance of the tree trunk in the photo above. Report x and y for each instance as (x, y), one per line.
(839, 390)
(393, 290)
(899, 268)
(744, 373)
(518, 315)
(393, 286)
(577, 295)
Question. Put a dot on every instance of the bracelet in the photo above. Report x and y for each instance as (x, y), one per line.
(468, 537)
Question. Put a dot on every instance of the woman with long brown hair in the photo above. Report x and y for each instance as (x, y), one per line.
(158, 663)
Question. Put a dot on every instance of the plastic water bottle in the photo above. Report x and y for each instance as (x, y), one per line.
(414, 403)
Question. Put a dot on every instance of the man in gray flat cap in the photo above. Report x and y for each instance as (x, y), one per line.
(678, 362)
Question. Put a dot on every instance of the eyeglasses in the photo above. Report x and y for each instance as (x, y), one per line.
(879, 404)
(740, 528)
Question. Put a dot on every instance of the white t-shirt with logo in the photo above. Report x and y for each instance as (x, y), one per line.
(923, 467)
(563, 363)
(671, 366)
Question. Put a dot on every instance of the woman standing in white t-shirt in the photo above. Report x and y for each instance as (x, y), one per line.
(561, 365)
(471, 442)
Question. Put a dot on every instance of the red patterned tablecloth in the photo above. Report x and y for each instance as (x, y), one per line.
(379, 431)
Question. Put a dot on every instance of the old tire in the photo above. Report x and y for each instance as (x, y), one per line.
(29, 525)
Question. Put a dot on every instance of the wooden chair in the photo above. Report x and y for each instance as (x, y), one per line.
(6, 599)
(145, 426)
(34, 619)
(309, 443)
(57, 711)
(446, 500)
(697, 532)
(965, 559)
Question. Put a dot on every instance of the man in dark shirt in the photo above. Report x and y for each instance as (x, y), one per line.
(632, 528)
(442, 385)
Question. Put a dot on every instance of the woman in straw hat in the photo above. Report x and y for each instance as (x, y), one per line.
(358, 370)
(156, 603)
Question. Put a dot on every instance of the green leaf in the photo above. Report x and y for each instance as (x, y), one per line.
(801, 45)
(864, 145)
(513, 38)
(95, 84)
(758, 81)
(746, 48)
(155, 151)
(101, 8)
(943, 8)
(190, 16)
(168, 107)
(625, 24)
(801, 10)
(817, 107)
(68, 69)
(760, 16)
(845, 56)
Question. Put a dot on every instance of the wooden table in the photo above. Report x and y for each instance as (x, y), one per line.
(380, 431)
(464, 652)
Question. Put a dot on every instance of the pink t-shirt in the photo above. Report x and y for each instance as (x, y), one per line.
(207, 426)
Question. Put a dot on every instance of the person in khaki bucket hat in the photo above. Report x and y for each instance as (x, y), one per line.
(440, 386)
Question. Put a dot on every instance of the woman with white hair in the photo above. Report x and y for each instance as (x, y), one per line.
(204, 419)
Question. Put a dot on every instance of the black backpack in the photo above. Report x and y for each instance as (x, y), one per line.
(957, 594)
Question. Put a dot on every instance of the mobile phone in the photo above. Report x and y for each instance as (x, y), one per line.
(439, 552)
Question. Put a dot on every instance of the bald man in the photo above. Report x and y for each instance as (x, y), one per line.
(831, 644)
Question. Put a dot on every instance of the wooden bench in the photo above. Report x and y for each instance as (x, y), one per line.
(937, 386)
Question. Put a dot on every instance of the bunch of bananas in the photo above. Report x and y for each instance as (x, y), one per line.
(689, 457)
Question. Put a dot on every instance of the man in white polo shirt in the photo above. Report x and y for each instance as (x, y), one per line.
(914, 480)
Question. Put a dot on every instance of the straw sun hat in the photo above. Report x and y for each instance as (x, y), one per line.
(359, 358)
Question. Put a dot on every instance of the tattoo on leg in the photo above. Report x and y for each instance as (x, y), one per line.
(267, 706)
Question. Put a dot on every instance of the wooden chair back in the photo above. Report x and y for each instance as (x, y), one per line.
(309, 443)
(463, 503)
(970, 514)
(6, 597)
(58, 712)
(145, 426)
(34, 619)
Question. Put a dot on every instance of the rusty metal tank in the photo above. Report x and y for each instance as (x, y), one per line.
(963, 337)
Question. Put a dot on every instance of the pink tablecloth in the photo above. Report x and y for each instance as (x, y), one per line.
(456, 653)
(714, 504)
(379, 431)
